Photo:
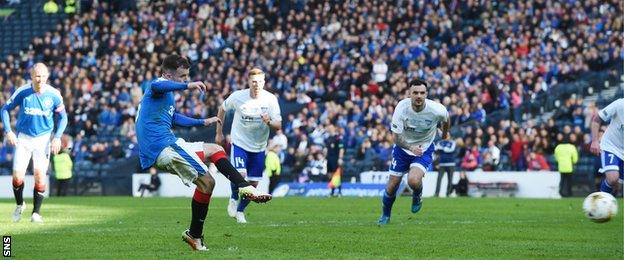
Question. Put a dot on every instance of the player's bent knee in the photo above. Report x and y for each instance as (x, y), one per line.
(19, 175)
(205, 183)
(210, 149)
(612, 177)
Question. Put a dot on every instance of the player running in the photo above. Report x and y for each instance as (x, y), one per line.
(256, 112)
(414, 123)
(160, 148)
(611, 147)
(38, 101)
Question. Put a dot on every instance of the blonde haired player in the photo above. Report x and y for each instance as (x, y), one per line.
(38, 102)
(256, 113)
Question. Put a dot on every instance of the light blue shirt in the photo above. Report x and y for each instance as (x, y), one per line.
(36, 114)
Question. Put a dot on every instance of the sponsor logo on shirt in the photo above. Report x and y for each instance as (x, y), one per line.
(37, 111)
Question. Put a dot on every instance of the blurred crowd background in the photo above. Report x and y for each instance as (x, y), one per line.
(517, 77)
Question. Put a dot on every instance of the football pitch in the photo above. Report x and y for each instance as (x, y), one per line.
(304, 228)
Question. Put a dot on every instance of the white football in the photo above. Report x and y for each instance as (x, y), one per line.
(600, 207)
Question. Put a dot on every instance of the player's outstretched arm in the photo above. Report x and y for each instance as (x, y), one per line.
(596, 122)
(168, 85)
(182, 120)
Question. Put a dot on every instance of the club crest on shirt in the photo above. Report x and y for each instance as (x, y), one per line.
(47, 103)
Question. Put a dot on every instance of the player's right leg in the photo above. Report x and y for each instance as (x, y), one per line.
(238, 158)
(418, 168)
(255, 168)
(613, 167)
(21, 159)
(215, 154)
(398, 167)
(18, 191)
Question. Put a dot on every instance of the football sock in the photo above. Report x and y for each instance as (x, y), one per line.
(18, 191)
(387, 203)
(234, 195)
(605, 187)
(416, 195)
(199, 210)
(227, 169)
(244, 202)
(38, 197)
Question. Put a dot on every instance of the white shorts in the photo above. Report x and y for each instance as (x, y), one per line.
(183, 159)
(37, 148)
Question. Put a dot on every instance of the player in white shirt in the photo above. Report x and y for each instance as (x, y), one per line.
(256, 112)
(611, 147)
(414, 124)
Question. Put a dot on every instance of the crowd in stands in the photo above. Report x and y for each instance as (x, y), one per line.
(347, 62)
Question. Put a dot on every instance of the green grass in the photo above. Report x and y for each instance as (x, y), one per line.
(304, 228)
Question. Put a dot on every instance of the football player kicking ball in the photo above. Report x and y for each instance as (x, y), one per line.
(257, 112)
(414, 124)
(611, 147)
(160, 148)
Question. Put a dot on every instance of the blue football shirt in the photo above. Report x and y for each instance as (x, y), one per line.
(36, 114)
(155, 118)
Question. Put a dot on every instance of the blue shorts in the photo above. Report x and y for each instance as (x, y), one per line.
(402, 162)
(610, 162)
(248, 162)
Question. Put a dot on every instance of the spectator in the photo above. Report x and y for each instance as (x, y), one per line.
(517, 151)
(153, 185)
(470, 161)
(446, 164)
(280, 140)
(316, 170)
(461, 188)
(273, 167)
(116, 150)
(50, 7)
(566, 156)
(62, 165)
(491, 157)
(537, 162)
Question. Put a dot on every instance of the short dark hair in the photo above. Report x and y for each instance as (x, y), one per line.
(174, 62)
(416, 82)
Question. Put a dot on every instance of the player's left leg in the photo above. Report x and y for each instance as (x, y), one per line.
(215, 154)
(414, 180)
(418, 167)
(199, 205)
(255, 168)
(185, 160)
(613, 168)
(41, 159)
